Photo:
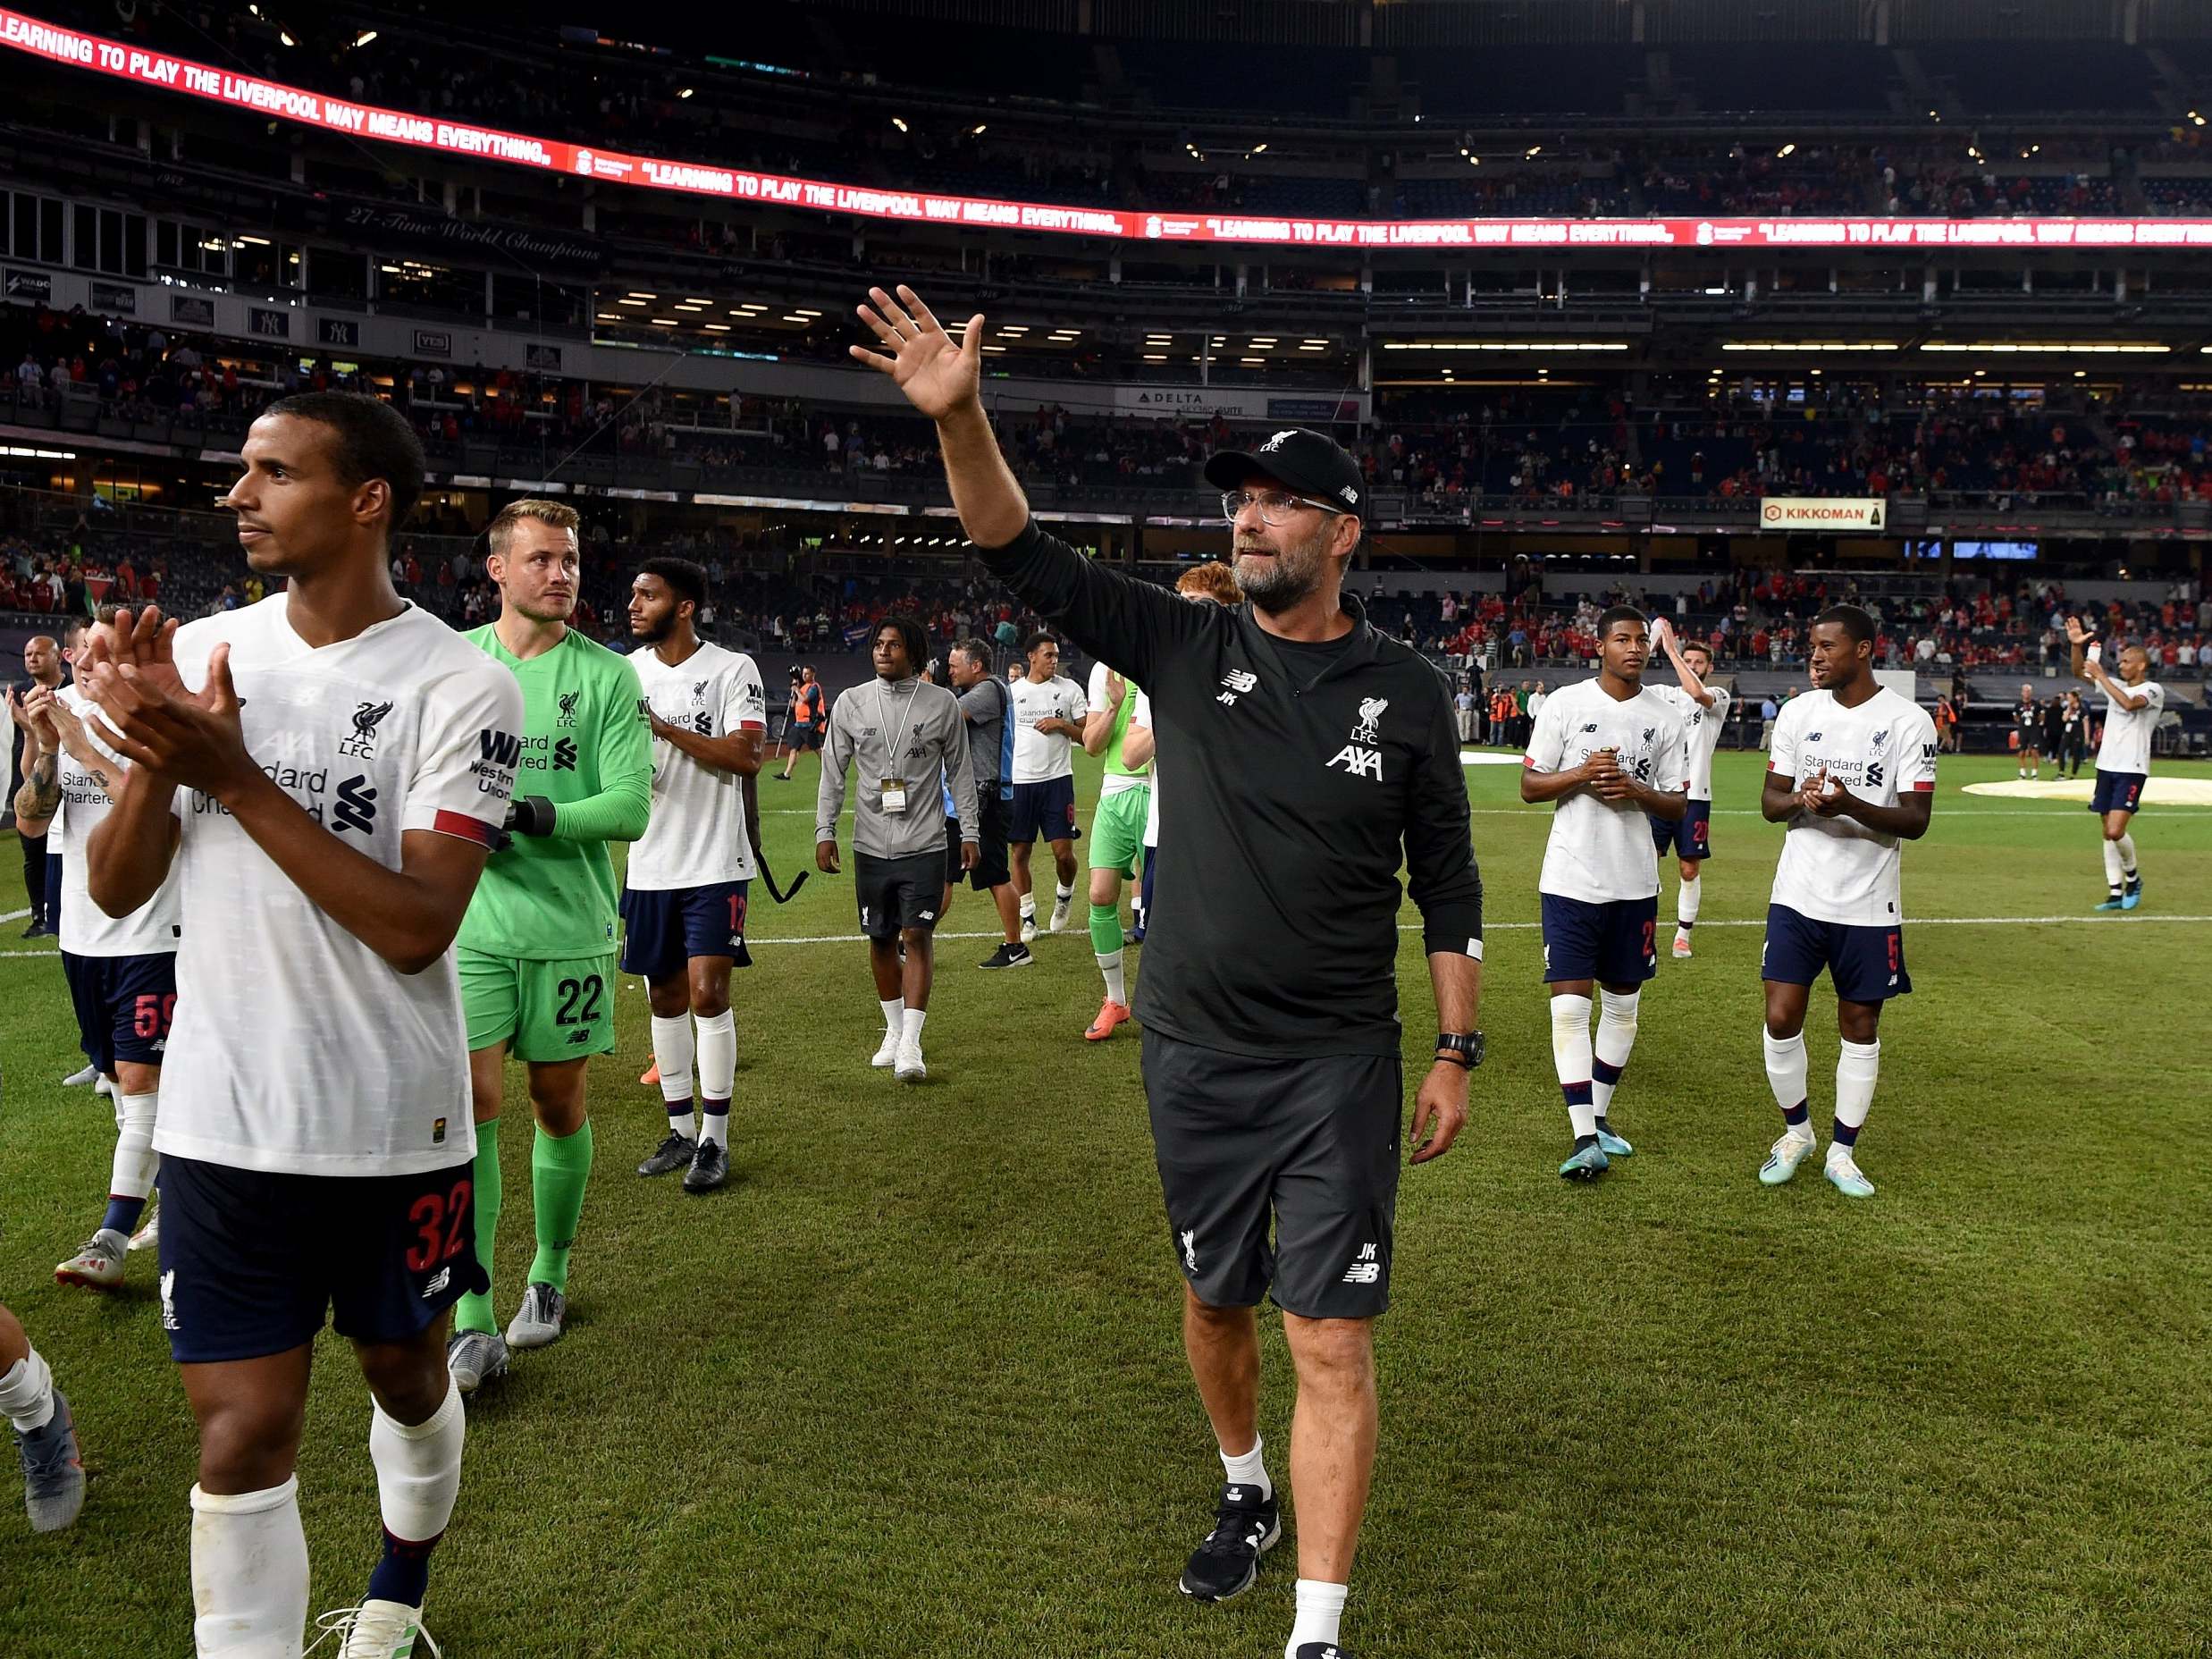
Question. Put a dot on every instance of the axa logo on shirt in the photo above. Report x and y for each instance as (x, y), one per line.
(1359, 756)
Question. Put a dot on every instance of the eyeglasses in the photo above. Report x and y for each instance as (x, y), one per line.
(1275, 506)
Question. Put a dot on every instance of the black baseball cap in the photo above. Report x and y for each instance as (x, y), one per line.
(1308, 462)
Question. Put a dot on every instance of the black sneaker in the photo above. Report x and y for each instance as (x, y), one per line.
(1246, 1526)
(672, 1154)
(1010, 957)
(710, 1168)
(38, 929)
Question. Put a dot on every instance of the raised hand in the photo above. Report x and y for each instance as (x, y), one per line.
(2076, 635)
(144, 640)
(937, 375)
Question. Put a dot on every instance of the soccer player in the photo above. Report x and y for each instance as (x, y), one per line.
(121, 971)
(2074, 734)
(1048, 712)
(536, 951)
(804, 721)
(45, 1434)
(42, 661)
(2133, 704)
(1704, 711)
(1852, 772)
(1272, 1049)
(2028, 733)
(684, 894)
(327, 769)
(909, 741)
(1116, 836)
(987, 706)
(1615, 758)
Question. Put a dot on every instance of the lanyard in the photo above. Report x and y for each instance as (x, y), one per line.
(883, 718)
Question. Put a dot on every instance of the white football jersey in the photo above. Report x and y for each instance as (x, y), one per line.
(1602, 850)
(2126, 746)
(296, 1046)
(697, 834)
(1038, 756)
(1703, 727)
(86, 929)
(1837, 869)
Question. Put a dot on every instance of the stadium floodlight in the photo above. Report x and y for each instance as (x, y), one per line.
(900, 123)
(1785, 152)
(364, 36)
(286, 39)
(978, 129)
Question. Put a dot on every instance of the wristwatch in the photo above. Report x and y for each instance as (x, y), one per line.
(1465, 1050)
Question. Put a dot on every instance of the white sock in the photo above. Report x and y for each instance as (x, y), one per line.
(1685, 903)
(1786, 1075)
(2114, 874)
(1320, 1609)
(1061, 896)
(672, 1053)
(894, 1015)
(1116, 984)
(1250, 1469)
(132, 1175)
(418, 1468)
(249, 1574)
(1570, 1053)
(1616, 1036)
(910, 1030)
(718, 1055)
(2126, 844)
(1029, 907)
(27, 1393)
(1856, 1067)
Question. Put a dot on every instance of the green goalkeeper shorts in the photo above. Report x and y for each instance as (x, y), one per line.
(543, 1011)
(1117, 830)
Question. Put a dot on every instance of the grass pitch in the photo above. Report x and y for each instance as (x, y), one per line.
(911, 1384)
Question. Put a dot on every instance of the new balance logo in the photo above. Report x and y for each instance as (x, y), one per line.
(1361, 763)
(356, 807)
(502, 749)
(1240, 681)
(438, 1282)
(1365, 1270)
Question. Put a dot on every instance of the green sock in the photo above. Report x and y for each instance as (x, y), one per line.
(1106, 929)
(559, 1166)
(473, 1312)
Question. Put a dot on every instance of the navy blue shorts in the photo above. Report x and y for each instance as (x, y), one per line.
(1614, 942)
(2116, 792)
(1045, 809)
(124, 1005)
(663, 928)
(252, 1260)
(1866, 964)
(896, 894)
(1688, 837)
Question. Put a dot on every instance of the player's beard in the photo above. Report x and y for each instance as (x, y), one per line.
(653, 633)
(1287, 579)
(547, 610)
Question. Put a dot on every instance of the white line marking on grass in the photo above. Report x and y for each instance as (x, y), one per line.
(2120, 920)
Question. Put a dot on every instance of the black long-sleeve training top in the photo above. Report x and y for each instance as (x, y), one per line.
(1296, 775)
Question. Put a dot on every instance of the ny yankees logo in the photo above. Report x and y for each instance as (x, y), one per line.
(362, 745)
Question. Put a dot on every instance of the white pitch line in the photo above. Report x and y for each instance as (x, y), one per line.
(1494, 927)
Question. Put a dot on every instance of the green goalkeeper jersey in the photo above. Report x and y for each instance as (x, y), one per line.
(587, 748)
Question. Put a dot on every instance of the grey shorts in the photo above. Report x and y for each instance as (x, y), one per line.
(1279, 1176)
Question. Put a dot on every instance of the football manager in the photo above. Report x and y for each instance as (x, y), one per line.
(1312, 756)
